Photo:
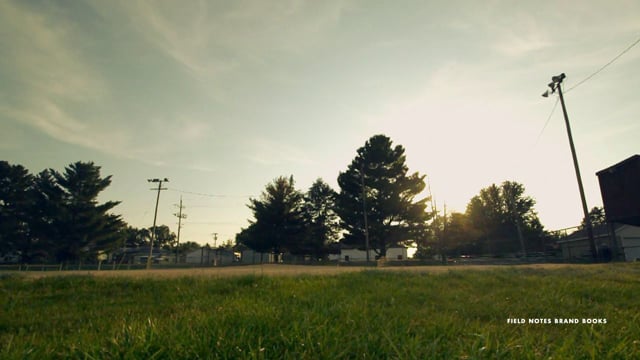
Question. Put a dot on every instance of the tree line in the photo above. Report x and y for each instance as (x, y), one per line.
(56, 216)
(382, 203)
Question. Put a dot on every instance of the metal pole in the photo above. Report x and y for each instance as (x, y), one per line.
(155, 216)
(215, 249)
(364, 211)
(180, 217)
(585, 209)
(443, 256)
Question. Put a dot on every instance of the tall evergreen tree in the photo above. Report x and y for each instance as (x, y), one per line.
(16, 185)
(322, 222)
(86, 226)
(47, 210)
(393, 215)
(278, 224)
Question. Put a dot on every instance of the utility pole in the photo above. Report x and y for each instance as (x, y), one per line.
(215, 249)
(155, 216)
(180, 216)
(364, 211)
(434, 211)
(556, 84)
(443, 256)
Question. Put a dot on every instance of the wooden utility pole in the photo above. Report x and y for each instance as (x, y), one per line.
(556, 84)
(364, 211)
(180, 216)
(215, 249)
(443, 256)
(155, 216)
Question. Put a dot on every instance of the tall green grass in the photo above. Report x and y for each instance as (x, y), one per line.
(366, 315)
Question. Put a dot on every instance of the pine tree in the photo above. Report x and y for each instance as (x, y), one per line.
(322, 222)
(85, 225)
(393, 216)
(278, 224)
(15, 204)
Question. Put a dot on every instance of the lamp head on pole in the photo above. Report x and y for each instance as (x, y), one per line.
(558, 79)
(553, 85)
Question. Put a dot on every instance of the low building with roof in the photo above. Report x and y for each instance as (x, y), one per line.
(575, 247)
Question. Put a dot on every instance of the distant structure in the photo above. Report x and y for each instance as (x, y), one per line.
(620, 189)
(575, 246)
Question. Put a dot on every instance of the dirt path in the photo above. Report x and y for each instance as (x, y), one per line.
(281, 270)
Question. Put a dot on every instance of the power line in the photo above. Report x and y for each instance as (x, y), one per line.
(547, 122)
(180, 216)
(585, 80)
(210, 195)
(604, 66)
(155, 215)
(213, 223)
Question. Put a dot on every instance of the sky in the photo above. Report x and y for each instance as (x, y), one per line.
(222, 97)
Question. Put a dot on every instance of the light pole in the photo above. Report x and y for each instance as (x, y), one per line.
(364, 212)
(556, 84)
(155, 216)
(215, 249)
(180, 216)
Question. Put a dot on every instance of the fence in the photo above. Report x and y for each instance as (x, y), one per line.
(111, 266)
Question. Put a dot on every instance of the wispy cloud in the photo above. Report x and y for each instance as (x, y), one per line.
(191, 129)
(213, 39)
(56, 89)
(268, 152)
(49, 75)
(41, 58)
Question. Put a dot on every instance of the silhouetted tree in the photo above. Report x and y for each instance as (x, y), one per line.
(134, 237)
(393, 216)
(85, 225)
(597, 217)
(500, 213)
(321, 220)
(188, 246)
(453, 234)
(164, 237)
(47, 209)
(461, 236)
(16, 184)
(278, 224)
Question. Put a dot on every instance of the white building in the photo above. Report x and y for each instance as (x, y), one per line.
(576, 245)
(353, 254)
(210, 257)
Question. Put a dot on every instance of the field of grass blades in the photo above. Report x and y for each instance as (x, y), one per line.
(370, 314)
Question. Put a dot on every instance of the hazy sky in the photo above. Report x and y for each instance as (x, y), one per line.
(221, 97)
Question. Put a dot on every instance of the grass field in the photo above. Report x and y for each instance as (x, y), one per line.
(327, 313)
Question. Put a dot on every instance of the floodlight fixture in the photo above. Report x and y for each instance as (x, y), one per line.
(155, 180)
(554, 85)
